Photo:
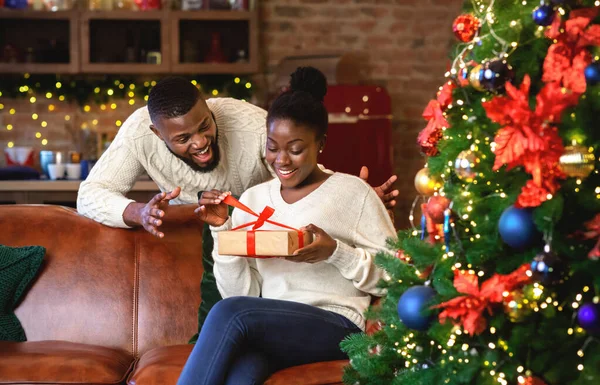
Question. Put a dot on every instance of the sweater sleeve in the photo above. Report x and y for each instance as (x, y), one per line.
(235, 276)
(101, 196)
(356, 262)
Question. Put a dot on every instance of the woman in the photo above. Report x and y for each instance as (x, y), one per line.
(283, 312)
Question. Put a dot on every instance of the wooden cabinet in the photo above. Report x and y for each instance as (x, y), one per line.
(132, 42)
(42, 42)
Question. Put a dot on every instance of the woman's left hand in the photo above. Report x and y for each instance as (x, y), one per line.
(319, 250)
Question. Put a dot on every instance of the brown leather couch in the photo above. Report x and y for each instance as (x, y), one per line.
(112, 306)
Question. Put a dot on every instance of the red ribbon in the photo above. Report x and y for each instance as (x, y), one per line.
(263, 218)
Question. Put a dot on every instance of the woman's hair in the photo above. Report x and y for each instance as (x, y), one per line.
(303, 102)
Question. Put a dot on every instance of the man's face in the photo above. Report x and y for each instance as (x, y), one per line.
(191, 137)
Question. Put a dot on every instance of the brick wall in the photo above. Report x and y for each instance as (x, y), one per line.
(405, 44)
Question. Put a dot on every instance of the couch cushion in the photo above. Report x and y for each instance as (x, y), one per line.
(18, 267)
(61, 362)
(319, 373)
(162, 366)
(85, 291)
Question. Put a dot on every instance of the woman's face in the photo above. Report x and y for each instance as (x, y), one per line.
(292, 151)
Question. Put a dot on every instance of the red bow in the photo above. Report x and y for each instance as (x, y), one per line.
(528, 138)
(468, 309)
(263, 218)
(567, 57)
(593, 231)
(434, 114)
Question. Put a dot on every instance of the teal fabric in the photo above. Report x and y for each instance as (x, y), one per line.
(208, 286)
(18, 267)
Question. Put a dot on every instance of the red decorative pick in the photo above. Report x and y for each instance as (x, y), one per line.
(468, 310)
(593, 231)
(434, 114)
(533, 381)
(529, 138)
(568, 56)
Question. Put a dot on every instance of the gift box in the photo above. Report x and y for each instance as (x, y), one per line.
(273, 243)
(261, 243)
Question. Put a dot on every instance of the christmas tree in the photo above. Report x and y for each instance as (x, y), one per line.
(499, 281)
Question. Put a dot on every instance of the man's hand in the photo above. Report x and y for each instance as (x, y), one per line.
(149, 215)
(212, 210)
(319, 250)
(382, 191)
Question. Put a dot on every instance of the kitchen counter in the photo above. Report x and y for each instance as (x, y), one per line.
(61, 192)
(62, 185)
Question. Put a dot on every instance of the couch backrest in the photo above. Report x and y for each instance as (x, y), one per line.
(118, 288)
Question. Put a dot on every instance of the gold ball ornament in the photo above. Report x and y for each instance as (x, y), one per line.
(475, 77)
(465, 165)
(425, 183)
(577, 161)
(516, 306)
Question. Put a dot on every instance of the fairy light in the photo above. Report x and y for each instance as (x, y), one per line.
(44, 123)
(10, 144)
(580, 367)
(118, 123)
(248, 85)
(12, 111)
(34, 116)
(51, 107)
(67, 117)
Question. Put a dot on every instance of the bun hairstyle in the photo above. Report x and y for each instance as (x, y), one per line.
(303, 102)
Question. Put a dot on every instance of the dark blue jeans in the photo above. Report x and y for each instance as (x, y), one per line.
(246, 339)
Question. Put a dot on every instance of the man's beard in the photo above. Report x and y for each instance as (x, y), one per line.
(216, 157)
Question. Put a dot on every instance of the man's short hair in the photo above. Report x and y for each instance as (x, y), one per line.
(172, 97)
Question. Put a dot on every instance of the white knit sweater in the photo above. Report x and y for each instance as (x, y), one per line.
(241, 136)
(347, 209)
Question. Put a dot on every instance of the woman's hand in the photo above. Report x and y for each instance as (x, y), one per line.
(212, 210)
(319, 250)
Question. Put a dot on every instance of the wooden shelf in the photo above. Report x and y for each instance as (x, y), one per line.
(212, 15)
(7, 13)
(124, 15)
(169, 22)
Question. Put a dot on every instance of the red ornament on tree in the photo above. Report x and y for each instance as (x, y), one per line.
(436, 207)
(466, 27)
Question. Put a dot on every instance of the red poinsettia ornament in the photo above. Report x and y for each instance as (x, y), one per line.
(568, 56)
(529, 138)
(468, 310)
(434, 113)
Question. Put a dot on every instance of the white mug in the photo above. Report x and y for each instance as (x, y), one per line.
(56, 171)
(73, 171)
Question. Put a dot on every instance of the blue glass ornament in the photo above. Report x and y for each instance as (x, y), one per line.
(413, 307)
(517, 229)
(547, 268)
(543, 15)
(592, 74)
(588, 317)
(447, 213)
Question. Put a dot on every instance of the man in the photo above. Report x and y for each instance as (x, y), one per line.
(186, 145)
